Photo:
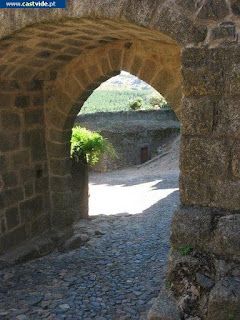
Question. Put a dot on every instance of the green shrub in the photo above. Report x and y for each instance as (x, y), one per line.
(184, 250)
(87, 146)
(136, 104)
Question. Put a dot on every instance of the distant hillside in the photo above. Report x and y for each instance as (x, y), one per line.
(116, 93)
(125, 81)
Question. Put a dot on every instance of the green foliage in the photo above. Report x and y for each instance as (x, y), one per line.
(156, 100)
(184, 250)
(114, 100)
(230, 316)
(136, 104)
(168, 285)
(87, 146)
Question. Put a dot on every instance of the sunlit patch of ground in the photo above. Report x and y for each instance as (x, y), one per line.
(114, 199)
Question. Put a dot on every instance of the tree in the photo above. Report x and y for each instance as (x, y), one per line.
(136, 104)
(158, 101)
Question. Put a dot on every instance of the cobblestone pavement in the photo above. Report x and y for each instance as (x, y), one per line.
(116, 275)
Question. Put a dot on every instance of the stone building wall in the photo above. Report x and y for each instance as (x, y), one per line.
(129, 132)
(186, 50)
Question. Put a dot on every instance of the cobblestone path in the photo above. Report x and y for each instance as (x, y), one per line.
(116, 275)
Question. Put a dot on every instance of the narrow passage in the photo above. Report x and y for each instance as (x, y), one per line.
(119, 272)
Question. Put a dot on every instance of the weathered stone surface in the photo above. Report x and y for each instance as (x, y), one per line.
(223, 31)
(33, 117)
(225, 195)
(191, 5)
(75, 242)
(204, 157)
(10, 179)
(213, 9)
(60, 166)
(22, 102)
(35, 139)
(226, 117)
(194, 190)
(226, 240)
(32, 208)
(10, 121)
(13, 238)
(224, 300)
(235, 6)
(12, 217)
(172, 23)
(165, 308)
(200, 115)
(191, 227)
(9, 141)
(20, 159)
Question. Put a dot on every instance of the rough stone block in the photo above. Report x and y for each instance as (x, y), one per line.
(60, 167)
(175, 25)
(227, 117)
(236, 160)
(34, 117)
(223, 31)
(22, 101)
(40, 225)
(42, 185)
(225, 195)
(20, 158)
(226, 239)
(10, 179)
(197, 116)
(60, 136)
(207, 158)
(61, 120)
(32, 208)
(194, 190)
(59, 150)
(203, 81)
(27, 174)
(165, 308)
(214, 10)
(12, 217)
(136, 65)
(191, 5)
(233, 79)
(5, 101)
(60, 184)
(13, 238)
(74, 242)
(13, 196)
(191, 227)
(35, 139)
(28, 189)
(134, 11)
(10, 121)
(61, 203)
(224, 300)
(235, 4)
(3, 163)
(115, 58)
(9, 141)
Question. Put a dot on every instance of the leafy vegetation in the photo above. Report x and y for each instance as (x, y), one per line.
(184, 250)
(136, 104)
(87, 146)
(118, 100)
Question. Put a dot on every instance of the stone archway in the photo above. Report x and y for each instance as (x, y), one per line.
(43, 58)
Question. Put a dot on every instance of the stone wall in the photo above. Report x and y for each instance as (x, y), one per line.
(184, 49)
(129, 132)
